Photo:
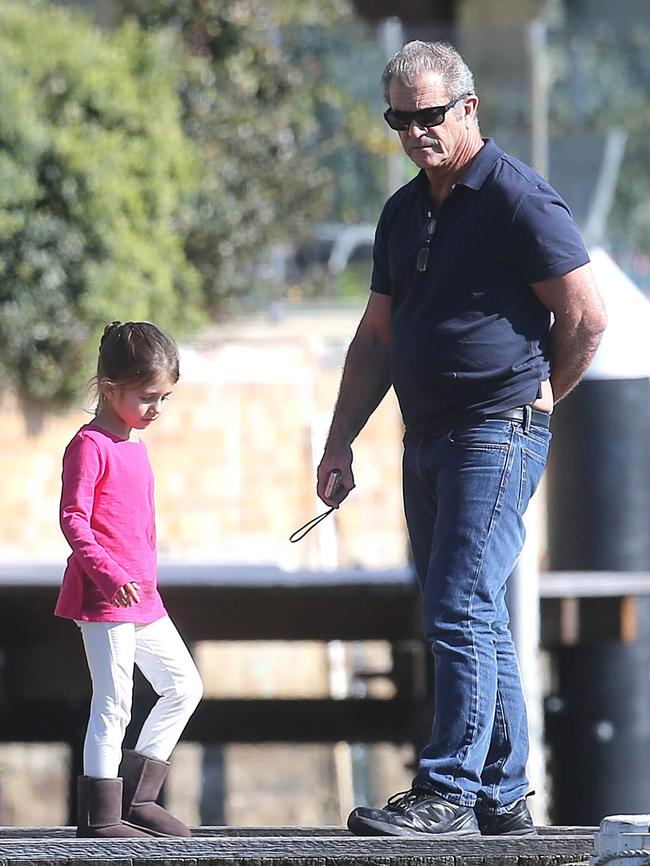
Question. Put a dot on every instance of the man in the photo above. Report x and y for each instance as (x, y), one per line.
(470, 259)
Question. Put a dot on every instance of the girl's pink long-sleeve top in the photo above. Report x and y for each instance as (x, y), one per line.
(108, 517)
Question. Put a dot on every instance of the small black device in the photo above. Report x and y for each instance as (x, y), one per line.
(332, 487)
(333, 483)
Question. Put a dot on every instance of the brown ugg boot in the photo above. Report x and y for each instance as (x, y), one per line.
(99, 809)
(143, 779)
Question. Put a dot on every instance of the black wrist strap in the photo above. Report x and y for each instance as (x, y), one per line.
(300, 533)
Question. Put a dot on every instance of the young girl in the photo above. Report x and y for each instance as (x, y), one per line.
(110, 589)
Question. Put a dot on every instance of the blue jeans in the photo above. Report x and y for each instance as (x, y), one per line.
(464, 496)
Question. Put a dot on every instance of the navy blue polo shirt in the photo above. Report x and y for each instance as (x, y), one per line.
(469, 336)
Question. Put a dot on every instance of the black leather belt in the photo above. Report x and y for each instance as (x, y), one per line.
(524, 415)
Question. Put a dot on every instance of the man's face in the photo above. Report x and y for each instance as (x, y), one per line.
(431, 147)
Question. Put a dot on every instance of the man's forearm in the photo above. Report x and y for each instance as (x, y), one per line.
(572, 351)
(364, 383)
(580, 319)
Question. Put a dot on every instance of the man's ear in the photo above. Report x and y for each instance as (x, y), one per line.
(471, 107)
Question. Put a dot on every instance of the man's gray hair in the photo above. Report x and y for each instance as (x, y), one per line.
(417, 57)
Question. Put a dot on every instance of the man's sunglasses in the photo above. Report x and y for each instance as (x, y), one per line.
(424, 118)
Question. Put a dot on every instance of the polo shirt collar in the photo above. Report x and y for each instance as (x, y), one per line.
(479, 168)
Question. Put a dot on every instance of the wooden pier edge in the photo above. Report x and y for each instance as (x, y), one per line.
(293, 846)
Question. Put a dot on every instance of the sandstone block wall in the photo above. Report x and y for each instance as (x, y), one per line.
(234, 456)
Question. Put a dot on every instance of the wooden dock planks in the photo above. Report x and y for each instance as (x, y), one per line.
(290, 846)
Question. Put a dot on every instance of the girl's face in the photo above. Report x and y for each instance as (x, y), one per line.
(135, 406)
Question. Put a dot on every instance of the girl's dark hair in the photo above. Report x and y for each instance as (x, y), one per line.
(136, 352)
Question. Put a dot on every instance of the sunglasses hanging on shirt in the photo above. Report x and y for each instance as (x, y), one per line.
(422, 262)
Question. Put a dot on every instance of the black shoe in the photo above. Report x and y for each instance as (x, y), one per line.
(414, 811)
(517, 821)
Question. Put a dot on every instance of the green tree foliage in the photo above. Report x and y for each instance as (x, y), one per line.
(96, 176)
(266, 106)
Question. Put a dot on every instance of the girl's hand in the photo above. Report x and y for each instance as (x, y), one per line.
(126, 595)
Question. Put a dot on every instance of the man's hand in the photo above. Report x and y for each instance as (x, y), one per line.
(335, 458)
(126, 595)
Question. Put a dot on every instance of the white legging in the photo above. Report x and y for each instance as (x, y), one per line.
(112, 650)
